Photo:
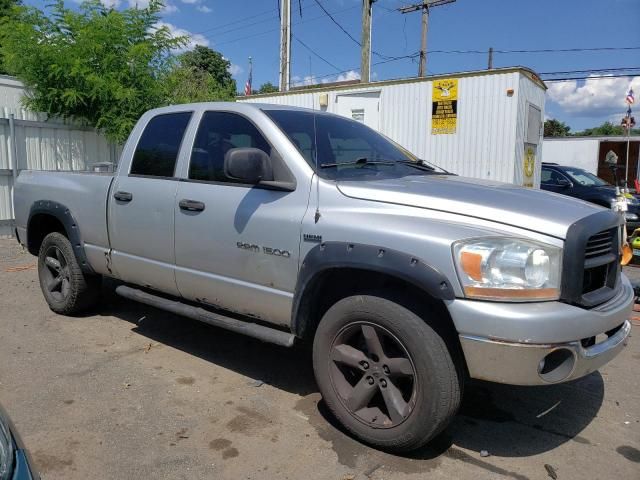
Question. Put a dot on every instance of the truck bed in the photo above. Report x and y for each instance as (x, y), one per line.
(86, 191)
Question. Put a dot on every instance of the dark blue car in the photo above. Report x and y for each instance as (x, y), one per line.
(14, 461)
(578, 183)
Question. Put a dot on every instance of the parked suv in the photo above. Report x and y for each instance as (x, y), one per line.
(578, 183)
(293, 225)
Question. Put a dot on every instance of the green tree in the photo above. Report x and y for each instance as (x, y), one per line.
(200, 75)
(607, 129)
(555, 128)
(99, 65)
(207, 60)
(6, 14)
(188, 85)
(267, 87)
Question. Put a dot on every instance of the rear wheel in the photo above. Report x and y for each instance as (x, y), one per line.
(65, 287)
(384, 373)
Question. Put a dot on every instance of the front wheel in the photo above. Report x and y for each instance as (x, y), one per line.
(65, 287)
(384, 373)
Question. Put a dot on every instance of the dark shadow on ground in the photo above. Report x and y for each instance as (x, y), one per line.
(504, 420)
(288, 369)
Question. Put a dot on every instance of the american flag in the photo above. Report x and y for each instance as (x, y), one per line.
(630, 98)
(247, 86)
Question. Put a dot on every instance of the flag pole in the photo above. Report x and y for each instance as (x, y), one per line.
(249, 85)
(627, 123)
(628, 141)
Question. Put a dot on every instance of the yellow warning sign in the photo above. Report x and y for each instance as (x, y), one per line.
(444, 106)
(529, 165)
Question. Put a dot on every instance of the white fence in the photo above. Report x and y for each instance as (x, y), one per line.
(38, 145)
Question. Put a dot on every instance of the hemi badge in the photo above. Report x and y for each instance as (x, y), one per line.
(308, 237)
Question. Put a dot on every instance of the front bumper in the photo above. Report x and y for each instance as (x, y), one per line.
(540, 343)
(527, 364)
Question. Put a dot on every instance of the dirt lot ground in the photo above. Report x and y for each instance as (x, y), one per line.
(130, 392)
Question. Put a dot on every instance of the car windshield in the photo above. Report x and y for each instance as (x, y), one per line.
(585, 178)
(346, 149)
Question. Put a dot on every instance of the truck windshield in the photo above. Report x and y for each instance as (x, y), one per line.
(346, 149)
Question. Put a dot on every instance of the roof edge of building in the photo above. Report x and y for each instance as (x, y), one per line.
(600, 138)
(529, 73)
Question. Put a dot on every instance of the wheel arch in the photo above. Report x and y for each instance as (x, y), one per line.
(47, 216)
(333, 270)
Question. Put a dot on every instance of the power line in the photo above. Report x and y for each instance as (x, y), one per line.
(244, 19)
(593, 70)
(592, 77)
(240, 20)
(391, 59)
(337, 24)
(558, 50)
(346, 32)
(277, 29)
(315, 53)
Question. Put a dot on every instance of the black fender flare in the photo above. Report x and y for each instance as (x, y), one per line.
(64, 216)
(335, 255)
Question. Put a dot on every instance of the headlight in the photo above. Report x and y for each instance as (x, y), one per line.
(508, 269)
(6, 451)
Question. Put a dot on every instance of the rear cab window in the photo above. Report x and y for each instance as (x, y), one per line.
(157, 150)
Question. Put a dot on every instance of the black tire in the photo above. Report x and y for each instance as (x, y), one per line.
(65, 287)
(429, 396)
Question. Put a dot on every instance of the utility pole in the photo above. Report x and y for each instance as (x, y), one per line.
(490, 64)
(422, 68)
(424, 7)
(285, 44)
(365, 52)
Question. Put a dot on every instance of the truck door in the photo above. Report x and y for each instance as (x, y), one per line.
(237, 245)
(141, 210)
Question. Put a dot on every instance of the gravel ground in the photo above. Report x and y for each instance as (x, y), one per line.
(130, 392)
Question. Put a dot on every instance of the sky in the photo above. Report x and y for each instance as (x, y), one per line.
(242, 28)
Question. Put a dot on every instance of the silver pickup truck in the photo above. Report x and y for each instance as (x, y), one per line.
(293, 225)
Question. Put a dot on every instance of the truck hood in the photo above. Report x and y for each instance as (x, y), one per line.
(532, 209)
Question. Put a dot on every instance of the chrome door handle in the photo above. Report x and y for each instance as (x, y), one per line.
(191, 205)
(123, 196)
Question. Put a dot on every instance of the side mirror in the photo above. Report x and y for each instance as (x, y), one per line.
(248, 165)
(564, 183)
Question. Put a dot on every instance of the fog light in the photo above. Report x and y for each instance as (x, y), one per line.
(557, 365)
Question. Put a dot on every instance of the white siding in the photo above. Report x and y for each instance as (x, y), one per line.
(489, 138)
(40, 145)
(11, 93)
(529, 93)
(581, 153)
(5, 199)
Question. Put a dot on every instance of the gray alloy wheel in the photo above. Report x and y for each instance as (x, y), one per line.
(384, 372)
(376, 384)
(57, 275)
(66, 288)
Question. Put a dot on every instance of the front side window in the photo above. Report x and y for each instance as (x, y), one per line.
(551, 177)
(218, 133)
(342, 148)
(159, 144)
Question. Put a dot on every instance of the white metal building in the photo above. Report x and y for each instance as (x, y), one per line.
(590, 153)
(28, 140)
(491, 130)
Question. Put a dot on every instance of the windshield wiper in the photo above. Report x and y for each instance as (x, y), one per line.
(359, 161)
(419, 164)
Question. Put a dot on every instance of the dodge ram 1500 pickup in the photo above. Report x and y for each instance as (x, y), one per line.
(289, 224)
